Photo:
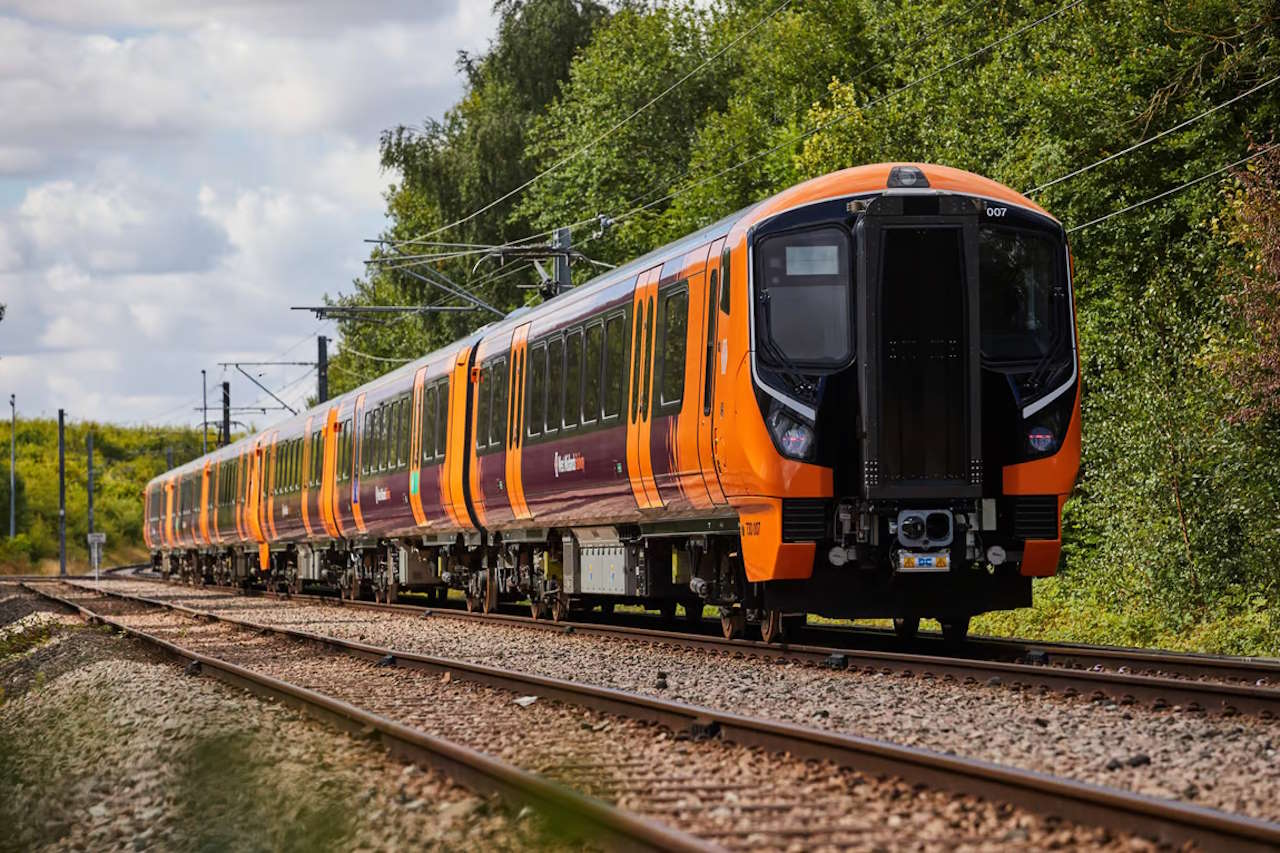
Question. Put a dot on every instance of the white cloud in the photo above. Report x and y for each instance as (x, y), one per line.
(176, 176)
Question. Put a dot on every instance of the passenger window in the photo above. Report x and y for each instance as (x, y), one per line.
(365, 439)
(675, 320)
(482, 418)
(501, 384)
(615, 368)
(536, 407)
(402, 456)
(555, 384)
(636, 372)
(428, 423)
(647, 380)
(592, 363)
(442, 417)
(725, 280)
(573, 379)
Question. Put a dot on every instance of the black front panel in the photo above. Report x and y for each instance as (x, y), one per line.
(923, 364)
(918, 348)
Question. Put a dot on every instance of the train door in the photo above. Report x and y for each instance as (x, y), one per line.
(515, 423)
(724, 366)
(358, 438)
(710, 331)
(639, 401)
(455, 470)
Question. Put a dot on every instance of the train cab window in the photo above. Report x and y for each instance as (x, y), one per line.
(1017, 271)
(536, 405)
(573, 378)
(555, 384)
(483, 390)
(501, 383)
(804, 282)
(675, 327)
(592, 365)
(615, 367)
(442, 417)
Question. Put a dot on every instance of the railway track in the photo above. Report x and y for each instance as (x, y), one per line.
(1205, 689)
(1168, 821)
(1150, 672)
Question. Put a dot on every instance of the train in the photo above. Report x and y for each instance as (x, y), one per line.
(858, 398)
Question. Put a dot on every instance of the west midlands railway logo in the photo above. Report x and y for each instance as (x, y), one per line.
(569, 462)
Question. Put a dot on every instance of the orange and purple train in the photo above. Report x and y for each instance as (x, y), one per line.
(857, 398)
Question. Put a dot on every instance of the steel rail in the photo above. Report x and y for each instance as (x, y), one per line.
(1166, 820)
(617, 827)
(1081, 679)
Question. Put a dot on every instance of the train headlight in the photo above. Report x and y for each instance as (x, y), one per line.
(1041, 439)
(793, 437)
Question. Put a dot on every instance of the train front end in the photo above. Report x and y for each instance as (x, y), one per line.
(918, 343)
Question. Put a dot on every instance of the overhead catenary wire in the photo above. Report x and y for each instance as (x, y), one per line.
(600, 138)
(1174, 190)
(1150, 139)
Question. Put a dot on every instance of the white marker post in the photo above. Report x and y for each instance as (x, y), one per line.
(96, 541)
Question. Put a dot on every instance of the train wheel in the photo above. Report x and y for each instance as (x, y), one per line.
(732, 622)
(956, 630)
(907, 627)
(606, 608)
(559, 608)
(535, 607)
(472, 603)
(490, 600)
(771, 626)
(393, 592)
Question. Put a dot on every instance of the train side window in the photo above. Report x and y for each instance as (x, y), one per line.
(675, 328)
(482, 410)
(501, 385)
(345, 433)
(615, 367)
(555, 384)
(573, 379)
(536, 406)
(592, 365)
(366, 441)
(638, 359)
(725, 280)
(427, 423)
(712, 284)
(646, 381)
(442, 418)
(388, 437)
(401, 432)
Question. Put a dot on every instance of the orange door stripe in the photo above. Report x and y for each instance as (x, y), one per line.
(270, 490)
(415, 449)
(357, 514)
(633, 398)
(307, 451)
(518, 370)
(648, 383)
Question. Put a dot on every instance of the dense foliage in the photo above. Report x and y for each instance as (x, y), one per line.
(1174, 533)
(124, 460)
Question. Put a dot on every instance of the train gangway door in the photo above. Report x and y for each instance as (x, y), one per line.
(415, 449)
(640, 400)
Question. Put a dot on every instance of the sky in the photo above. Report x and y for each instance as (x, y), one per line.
(174, 176)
